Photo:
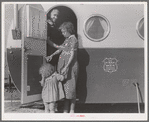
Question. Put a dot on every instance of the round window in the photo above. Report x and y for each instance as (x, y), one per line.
(96, 28)
(140, 28)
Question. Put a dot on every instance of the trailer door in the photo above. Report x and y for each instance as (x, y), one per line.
(34, 37)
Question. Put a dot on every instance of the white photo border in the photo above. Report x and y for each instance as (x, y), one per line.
(87, 116)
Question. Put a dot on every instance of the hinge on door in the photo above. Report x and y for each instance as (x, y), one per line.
(28, 88)
(16, 34)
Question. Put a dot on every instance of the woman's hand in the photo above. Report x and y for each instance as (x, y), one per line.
(50, 22)
(49, 58)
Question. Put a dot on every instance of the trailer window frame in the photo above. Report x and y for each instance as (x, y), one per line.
(138, 25)
(107, 32)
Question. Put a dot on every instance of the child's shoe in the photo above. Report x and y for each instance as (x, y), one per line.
(71, 111)
(47, 111)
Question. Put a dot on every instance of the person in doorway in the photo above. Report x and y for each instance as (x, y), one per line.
(68, 65)
(54, 35)
(52, 88)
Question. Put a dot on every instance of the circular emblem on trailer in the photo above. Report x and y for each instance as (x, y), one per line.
(110, 65)
(97, 27)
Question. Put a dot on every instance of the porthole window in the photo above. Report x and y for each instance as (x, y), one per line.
(140, 28)
(96, 28)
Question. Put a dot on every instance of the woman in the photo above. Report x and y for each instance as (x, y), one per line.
(68, 64)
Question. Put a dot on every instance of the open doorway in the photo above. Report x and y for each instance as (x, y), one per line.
(65, 14)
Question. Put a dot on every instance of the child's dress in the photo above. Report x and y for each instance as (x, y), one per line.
(52, 90)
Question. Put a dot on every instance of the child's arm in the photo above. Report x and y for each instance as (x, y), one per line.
(48, 58)
(42, 81)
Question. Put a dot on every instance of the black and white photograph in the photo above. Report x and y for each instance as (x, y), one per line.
(74, 61)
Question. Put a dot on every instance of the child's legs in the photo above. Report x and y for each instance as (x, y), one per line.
(56, 106)
(46, 107)
(72, 105)
(52, 107)
(66, 105)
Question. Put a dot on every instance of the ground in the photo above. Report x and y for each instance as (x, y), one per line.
(15, 108)
(12, 104)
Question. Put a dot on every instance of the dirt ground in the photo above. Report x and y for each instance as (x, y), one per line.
(14, 107)
(12, 103)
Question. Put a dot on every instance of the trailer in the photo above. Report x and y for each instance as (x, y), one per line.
(110, 55)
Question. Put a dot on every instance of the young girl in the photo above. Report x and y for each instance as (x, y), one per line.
(68, 64)
(52, 89)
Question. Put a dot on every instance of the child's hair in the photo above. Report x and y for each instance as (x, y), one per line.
(68, 26)
(46, 70)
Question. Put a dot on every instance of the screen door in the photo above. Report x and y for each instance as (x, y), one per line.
(34, 51)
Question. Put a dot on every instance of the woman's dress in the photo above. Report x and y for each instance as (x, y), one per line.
(70, 44)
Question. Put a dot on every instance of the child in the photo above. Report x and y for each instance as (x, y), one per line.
(52, 89)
